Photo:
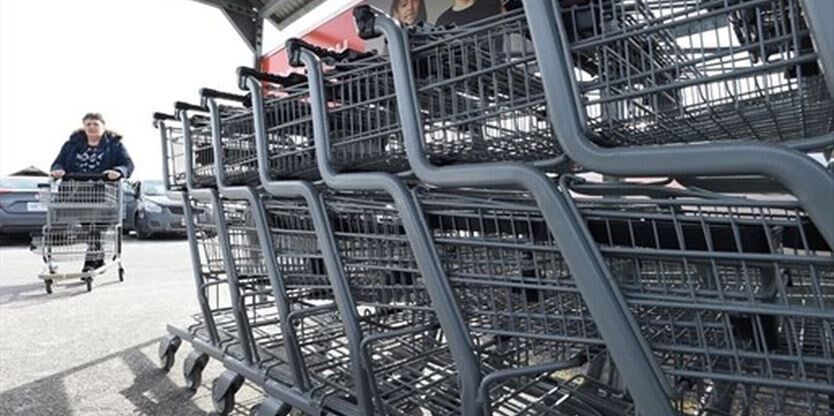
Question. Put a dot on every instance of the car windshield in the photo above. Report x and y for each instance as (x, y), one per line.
(22, 182)
(153, 188)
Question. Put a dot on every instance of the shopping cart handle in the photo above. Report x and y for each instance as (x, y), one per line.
(294, 45)
(162, 117)
(365, 18)
(283, 81)
(210, 93)
(159, 117)
(77, 176)
(181, 106)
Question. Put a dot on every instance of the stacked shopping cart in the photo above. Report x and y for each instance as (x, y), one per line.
(420, 231)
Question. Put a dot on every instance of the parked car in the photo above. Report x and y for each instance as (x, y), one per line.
(129, 203)
(155, 213)
(21, 211)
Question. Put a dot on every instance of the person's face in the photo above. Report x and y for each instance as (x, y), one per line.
(93, 127)
(407, 11)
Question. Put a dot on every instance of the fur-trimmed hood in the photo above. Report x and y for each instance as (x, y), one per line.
(80, 134)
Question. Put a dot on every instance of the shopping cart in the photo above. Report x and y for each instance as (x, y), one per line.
(693, 88)
(465, 346)
(732, 295)
(83, 224)
(399, 337)
(502, 170)
(492, 287)
(213, 329)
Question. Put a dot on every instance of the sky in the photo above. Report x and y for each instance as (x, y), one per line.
(126, 59)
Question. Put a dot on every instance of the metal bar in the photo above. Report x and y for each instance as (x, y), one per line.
(606, 304)
(199, 282)
(427, 259)
(231, 275)
(820, 15)
(327, 245)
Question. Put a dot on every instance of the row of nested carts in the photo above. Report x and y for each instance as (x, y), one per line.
(448, 227)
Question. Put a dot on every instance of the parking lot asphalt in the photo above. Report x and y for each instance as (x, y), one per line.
(79, 353)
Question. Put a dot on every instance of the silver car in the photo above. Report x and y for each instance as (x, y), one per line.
(21, 211)
(155, 212)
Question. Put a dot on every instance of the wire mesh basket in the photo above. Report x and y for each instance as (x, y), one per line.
(216, 324)
(176, 159)
(733, 296)
(729, 290)
(665, 72)
(74, 202)
(64, 243)
(407, 360)
(361, 111)
(480, 93)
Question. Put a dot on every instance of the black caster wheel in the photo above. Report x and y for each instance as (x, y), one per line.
(270, 407)
(168, 346)
(223, 391)
(192, 369)
(121, 274)
(48, 283)
(89, 282)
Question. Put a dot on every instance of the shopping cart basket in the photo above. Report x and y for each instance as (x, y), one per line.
(400, 340)
(83, 223)
(692, 88)
(173, 150)
(480, 92)
(663, 73)
(364, 111)
(734, 295)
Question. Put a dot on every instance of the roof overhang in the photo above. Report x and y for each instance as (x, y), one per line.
(247, 16)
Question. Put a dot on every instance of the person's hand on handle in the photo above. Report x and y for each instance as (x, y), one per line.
(112, 174)
(58, 174)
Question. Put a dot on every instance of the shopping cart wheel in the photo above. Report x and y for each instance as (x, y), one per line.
(270, 407)
(121, 274)
(223, 391)
(48, 283)
(192, 369)
(168, 346)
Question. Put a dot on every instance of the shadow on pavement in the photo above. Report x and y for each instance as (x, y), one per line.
(62, 289)
(152, 392)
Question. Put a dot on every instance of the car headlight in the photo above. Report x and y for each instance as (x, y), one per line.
(151, 207)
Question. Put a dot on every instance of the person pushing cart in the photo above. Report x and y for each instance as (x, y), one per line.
(84, 202)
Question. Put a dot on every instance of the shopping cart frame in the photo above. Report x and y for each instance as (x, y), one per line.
(803, 176)
(301, 54)
(618, 328)
(50, 276)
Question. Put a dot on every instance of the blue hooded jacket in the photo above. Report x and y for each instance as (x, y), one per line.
(115, 155)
